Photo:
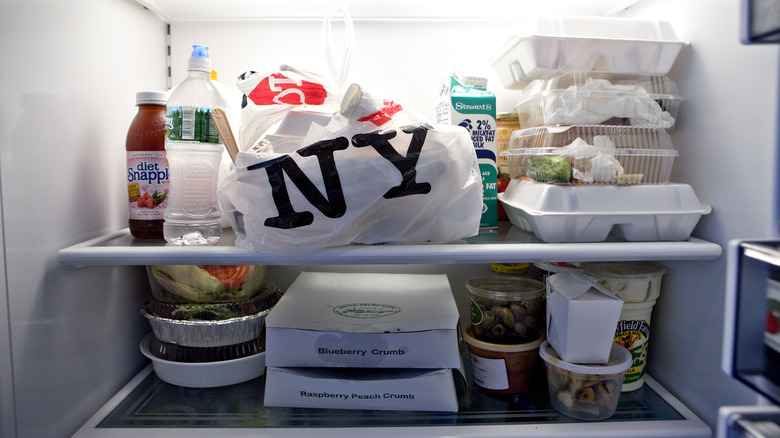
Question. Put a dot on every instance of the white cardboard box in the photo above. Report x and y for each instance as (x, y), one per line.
(582, 316)
(361, 320)
(364, 388)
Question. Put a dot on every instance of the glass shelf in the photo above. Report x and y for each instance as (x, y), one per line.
(502, 245)
(148, 406)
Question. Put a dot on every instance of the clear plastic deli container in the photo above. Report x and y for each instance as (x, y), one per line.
(553, 45)
(205, 283)
(591, 154)
(586, 392)
(506, 310)
(594, 98)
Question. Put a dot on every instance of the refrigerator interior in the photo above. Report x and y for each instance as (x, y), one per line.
(69, 335)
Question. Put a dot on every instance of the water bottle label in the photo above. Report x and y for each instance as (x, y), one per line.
(188, 123)
(147, 184)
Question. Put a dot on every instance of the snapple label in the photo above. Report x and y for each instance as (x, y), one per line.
(465, 101)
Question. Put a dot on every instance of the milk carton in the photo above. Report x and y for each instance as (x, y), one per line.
(465, 101)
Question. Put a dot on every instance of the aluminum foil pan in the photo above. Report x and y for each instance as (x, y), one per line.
(207, 333)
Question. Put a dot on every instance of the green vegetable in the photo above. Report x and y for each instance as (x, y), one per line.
(191, 282)
(550, 168)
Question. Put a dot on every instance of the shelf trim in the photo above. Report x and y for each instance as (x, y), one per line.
(90, 253)
(689, 426)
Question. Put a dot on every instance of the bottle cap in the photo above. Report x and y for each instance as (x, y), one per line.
(151, 97)
(199, 59)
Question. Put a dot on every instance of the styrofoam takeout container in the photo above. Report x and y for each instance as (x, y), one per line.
(590, 98)
(557, 44)
(645, 155)
(587, 213)
(205, 374)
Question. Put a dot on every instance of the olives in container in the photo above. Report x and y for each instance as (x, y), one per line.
(506, 310)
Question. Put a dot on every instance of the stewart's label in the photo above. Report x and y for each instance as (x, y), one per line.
(634, 334)
(187, 123)
(468, 104)
(147, 184)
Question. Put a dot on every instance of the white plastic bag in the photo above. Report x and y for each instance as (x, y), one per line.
(377, 174)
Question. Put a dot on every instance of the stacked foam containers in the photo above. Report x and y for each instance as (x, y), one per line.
(594, 154)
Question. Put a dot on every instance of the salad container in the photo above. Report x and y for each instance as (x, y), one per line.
(205, 283)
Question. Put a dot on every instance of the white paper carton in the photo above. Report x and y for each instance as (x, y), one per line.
(382, 389)
(582, 317)
(465, 101)
(364, 320)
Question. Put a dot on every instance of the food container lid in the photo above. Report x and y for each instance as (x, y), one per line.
(505, 287)
(468, 336)
(619, 361)
(624, 270)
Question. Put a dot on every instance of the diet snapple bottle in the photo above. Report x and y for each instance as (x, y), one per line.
(465, 101)
(194, 152)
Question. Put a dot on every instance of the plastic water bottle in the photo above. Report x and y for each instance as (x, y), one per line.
(194, 152)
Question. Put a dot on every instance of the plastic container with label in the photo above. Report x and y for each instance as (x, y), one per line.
(501, 368)
(147, 166)
(194, 151)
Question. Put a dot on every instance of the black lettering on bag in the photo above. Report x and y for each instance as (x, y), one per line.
(332, 205)
(379, 140)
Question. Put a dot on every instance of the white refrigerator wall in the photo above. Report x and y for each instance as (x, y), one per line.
(727, 138)
(69, 336)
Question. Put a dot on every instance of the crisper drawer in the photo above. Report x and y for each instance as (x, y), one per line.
(147, 406)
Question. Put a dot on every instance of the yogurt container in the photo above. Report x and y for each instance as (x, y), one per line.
(633, 282)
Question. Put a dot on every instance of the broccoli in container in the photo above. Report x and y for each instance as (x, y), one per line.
(550, 169)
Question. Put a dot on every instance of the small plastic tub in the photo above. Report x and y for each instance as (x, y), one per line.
(205, 283)
(585, 392)
(506, 310)
(591, 154)
(598, 98)
(502, 368)
(633, 282)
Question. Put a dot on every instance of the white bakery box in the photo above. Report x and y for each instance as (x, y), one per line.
(364, 341)
(364, 320)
